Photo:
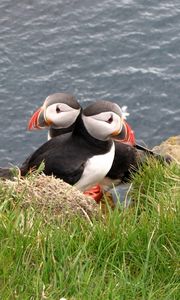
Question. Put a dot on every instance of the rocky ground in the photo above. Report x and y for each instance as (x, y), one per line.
(170, 147)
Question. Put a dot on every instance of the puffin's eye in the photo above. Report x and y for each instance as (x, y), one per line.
(58, 109)
(110, 120)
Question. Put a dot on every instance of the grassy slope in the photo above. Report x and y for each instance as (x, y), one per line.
(133, 255)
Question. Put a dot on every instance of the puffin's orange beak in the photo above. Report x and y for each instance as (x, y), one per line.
(126, 135)
(38, 121)
(33, 122)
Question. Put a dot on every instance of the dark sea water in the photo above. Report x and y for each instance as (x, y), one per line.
(127, 51)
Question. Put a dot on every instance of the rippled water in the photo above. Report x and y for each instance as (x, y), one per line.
(124, 51)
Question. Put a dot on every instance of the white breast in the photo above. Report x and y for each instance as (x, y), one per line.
(96, 169)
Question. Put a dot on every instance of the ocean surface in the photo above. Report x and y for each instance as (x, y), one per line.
(127, 51)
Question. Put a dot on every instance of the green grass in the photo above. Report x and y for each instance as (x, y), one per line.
(134, 254)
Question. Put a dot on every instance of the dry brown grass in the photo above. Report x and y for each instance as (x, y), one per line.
(46, 193)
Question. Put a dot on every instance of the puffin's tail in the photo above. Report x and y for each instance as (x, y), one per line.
(162, 158)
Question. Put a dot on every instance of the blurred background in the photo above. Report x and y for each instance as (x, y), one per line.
(127, 51)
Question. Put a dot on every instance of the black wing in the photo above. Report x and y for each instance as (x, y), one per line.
(125, 161)
(61, 157)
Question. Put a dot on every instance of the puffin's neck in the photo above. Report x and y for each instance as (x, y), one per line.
(53, 132)
(80, 130)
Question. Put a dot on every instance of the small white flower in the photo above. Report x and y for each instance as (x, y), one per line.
(124, 112)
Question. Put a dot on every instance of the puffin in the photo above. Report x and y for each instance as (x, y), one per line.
(84, 157)
(126, 156)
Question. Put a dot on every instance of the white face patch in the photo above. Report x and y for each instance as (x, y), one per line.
(103, 125)
(61, 115)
